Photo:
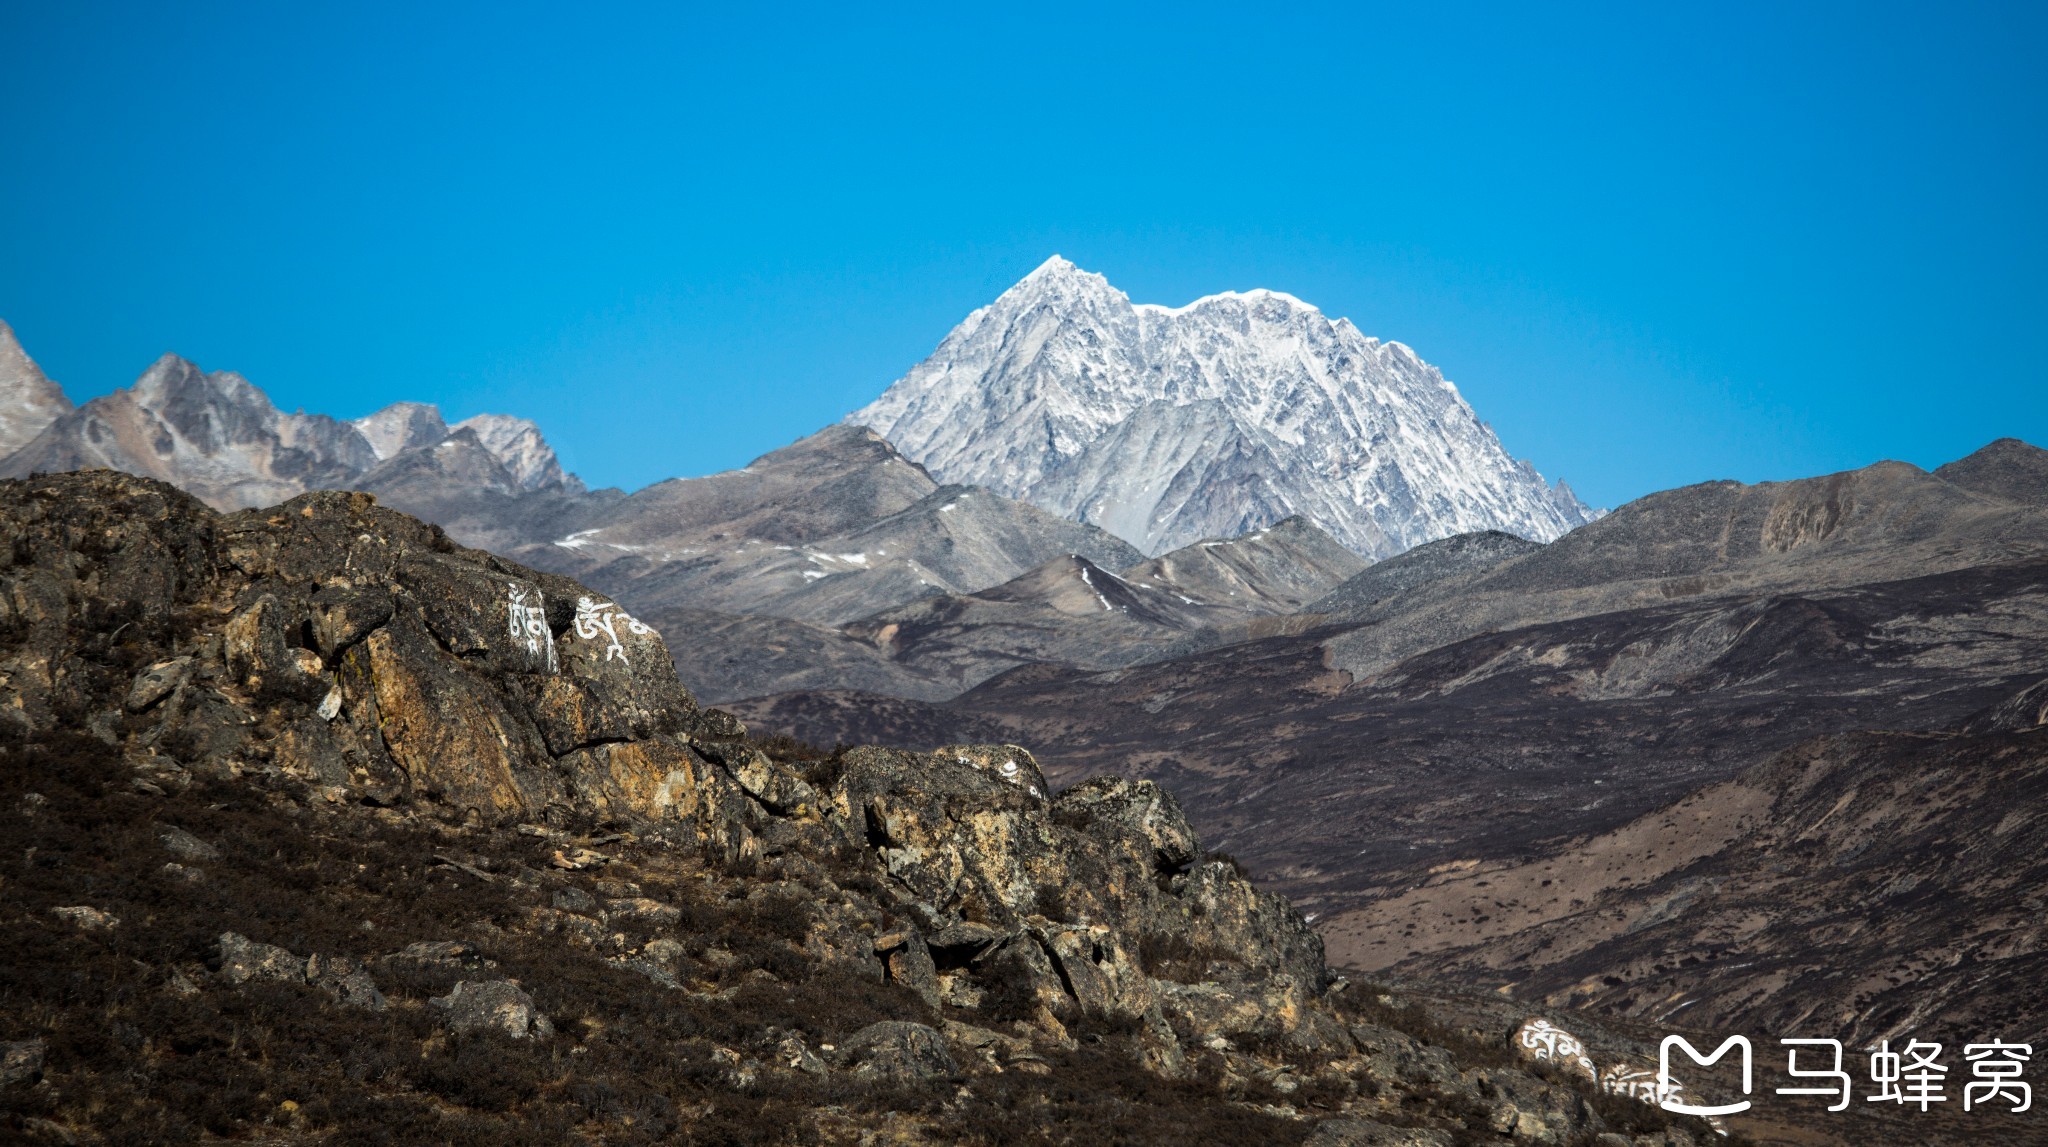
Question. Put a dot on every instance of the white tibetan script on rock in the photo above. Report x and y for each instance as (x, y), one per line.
(1544, 1041)
(528, 624)
(595, 617)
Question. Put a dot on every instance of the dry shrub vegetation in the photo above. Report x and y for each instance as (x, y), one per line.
(146, 1043)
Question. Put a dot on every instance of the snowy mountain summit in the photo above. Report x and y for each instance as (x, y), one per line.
(1167, 425)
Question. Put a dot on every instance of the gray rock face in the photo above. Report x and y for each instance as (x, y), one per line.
(897, 1052)
(494, 1005)
(1072, 611)
(29, 401)
(734, 655)
(1168, 425)
(185, 846)
(1027, 890)
(213, 434)
(1886, 521)
(829, 483)
(1273, 570)
(400, 427)
(1134, 815)
(21, 1062)
(2008, 469)
(517, 444)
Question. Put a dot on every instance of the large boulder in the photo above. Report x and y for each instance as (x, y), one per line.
(243, 960)
(905, 1054)
(455, 736)
(1230, 914)
(1054, 902)
(964, 839)
(21, 1061)
(493, 1006)
(1136, 816)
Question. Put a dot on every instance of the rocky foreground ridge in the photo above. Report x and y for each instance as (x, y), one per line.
(326, 829)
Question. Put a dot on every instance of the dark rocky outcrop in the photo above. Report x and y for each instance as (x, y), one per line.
(349, 646)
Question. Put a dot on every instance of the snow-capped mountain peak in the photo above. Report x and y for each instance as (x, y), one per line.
(1165, 425)
(220, 437)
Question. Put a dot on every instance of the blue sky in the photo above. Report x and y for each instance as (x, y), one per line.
(1653, 244)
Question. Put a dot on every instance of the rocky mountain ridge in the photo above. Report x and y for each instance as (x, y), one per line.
(1165, 425)
(1072, 612)
(826, 530)
(220, 437)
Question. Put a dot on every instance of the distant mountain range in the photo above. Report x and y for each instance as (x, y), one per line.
(219, 437)
(1277, 447)
(842, 563)
(1165, 426)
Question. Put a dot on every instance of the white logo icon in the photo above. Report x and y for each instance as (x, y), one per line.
(1665, 1085)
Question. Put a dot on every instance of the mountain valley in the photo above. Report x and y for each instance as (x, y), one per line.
(1739, 756)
